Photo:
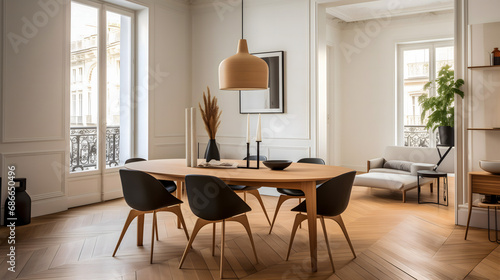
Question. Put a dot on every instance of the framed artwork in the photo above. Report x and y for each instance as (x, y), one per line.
(270, 100)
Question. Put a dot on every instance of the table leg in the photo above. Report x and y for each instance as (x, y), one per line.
(178, 194)
(309, 189)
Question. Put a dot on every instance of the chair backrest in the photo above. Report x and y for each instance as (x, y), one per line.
(332, 197)
(143, 192)
(312, 160)
(211, 199)
(130, 160)
(261, 158)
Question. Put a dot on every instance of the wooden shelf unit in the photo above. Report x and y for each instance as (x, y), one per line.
(484, 67)
(481, 182)
(483, 128)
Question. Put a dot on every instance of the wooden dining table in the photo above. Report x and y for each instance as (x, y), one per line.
(300, 176)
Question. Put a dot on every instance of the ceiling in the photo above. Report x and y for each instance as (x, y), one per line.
(357, 10)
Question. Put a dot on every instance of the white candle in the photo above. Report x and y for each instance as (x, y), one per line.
(248, 128)
(188, 137)
(194, 142)
(259, 135)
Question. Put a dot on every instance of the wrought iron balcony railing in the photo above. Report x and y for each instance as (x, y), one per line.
(416, 136)
(83, 147)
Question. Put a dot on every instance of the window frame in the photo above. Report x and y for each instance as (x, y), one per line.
(401, 48)
(102, 8)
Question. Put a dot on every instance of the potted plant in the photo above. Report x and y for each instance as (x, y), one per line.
(439, 109)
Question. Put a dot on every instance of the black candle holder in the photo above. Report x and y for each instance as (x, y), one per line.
(248, 157)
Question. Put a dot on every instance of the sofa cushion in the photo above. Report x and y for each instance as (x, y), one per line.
(390, 181)
(389, 170)
(421, 166)
(398, 164)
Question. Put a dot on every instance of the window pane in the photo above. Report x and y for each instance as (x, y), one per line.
(84, 88)
(118, 90)
(444, 56)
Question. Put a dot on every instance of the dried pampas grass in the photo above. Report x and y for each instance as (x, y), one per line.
(211, 114)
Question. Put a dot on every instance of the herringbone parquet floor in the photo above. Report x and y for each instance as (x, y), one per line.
(392, 240)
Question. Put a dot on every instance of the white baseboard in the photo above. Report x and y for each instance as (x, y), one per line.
(84, 199)
(112, 195)
(479, 217)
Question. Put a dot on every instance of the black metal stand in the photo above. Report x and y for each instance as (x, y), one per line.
(497, 240)
(248, 157)
(441, 157)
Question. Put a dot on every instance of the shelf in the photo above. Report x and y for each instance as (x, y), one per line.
(483, 128)
(484, 66)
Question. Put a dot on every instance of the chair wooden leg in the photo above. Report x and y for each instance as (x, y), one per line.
(339, 220)
(222, 247)
(259, 198)
(245, 196)
(322, 219)
(404, 196)
(213, 241)
(281, 199)
(432, 187)
(131, 216)
(243, 220)
(140, 229)
(199, 224)
(153, 236)
(299, 218)
(156, 226)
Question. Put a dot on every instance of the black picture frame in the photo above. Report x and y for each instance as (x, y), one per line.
(271, 100)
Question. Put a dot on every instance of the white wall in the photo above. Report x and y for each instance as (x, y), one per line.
(35, 107)
(481, 101)
(366, 78)
(269, 26)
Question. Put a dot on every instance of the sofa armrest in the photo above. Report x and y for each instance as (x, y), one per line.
(421, 166)
(375, 163)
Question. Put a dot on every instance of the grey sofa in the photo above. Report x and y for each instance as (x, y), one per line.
(397, 168)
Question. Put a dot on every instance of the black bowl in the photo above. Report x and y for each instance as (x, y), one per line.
(277, 164)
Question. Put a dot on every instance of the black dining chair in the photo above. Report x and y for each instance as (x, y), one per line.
(212, 201)
(170, 186)
(252, 190)
(332, 198)
(287, 194)
(144, 194)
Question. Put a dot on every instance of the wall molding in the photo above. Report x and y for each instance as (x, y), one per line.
(61, 173)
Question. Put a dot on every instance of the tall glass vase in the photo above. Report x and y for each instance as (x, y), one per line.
(212, 152)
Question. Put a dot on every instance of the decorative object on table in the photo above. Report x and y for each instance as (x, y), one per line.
(277, 164)
(492, 166)
(218, 164)
(211, 117)
(243, 71)
(191, 142)
(22, 213)
(496, 56)
(258, 139)
(269, 100)
(438, 109)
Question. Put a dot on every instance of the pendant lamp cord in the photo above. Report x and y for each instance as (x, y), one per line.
(241, 19)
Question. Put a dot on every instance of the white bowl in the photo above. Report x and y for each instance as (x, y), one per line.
(492, 166)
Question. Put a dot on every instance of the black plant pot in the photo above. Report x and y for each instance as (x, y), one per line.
(446, 136)
(212, 152)
(21, 215)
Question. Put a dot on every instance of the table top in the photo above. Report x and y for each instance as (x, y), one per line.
(176, 169)
(431, 173)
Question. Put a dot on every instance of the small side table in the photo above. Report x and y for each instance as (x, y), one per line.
(435, 175)
(493, 206)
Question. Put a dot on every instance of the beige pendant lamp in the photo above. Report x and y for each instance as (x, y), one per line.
(243, 71)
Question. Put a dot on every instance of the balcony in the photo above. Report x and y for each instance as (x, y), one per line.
(416, 136)
(83, 147)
